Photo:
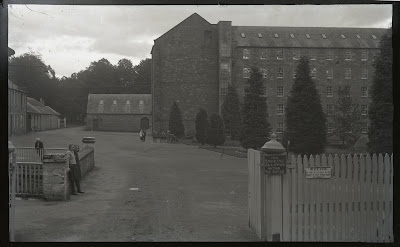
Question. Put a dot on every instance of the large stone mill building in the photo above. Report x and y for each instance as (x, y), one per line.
(195, 61)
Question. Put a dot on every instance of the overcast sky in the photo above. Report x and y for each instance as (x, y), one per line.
(70, 37)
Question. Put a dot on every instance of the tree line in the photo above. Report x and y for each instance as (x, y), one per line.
(306, 123)
(69, 95)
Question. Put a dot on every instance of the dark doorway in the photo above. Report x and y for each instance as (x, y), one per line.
(144, 123)
(28, 123)
(96, 123)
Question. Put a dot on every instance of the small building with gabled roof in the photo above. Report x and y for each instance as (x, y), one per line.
(119, 112)
(41, 117)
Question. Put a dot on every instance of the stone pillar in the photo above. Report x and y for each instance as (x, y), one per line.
(274, 163)
(89, 141)
(55, 177)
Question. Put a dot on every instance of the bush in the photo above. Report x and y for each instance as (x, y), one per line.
(176, 126)
(216, 134)
(202, 126)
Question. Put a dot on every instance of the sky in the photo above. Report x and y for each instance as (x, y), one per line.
(70, 37)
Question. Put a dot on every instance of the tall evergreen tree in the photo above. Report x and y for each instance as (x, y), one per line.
(380, 131)
(216, 131)
(305, 119)
(176, 126)
(255, 128)
(202, 126)
(231, 113)
(346, 118)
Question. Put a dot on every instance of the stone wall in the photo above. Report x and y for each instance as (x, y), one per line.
(118, 122)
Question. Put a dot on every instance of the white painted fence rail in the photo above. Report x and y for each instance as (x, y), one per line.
(354, 205)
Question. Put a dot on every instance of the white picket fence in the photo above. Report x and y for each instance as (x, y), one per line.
(354, 205)
(31, 154)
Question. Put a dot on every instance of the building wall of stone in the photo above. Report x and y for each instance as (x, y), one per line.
(338, 64)
(185, 70)
(16, 112)
(118, 122)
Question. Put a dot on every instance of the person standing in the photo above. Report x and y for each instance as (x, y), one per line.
(39, 147)
(144, 135)
(141, 135)
(78, 170)
(73, 173)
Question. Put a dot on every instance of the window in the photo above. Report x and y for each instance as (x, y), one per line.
(279, 73)
(364, 55)
(114, 102)
(308, 36)
(329, 55)
(358, 36)
(347, 73)
(279, 91)
(265, 90)
(364, 92)
(348, 92)
(364, 109)
(225, 71)
(294, 73)
(313, 73)
(141, 106)
(364, 128)
(223, 90)
(329, 74)
(225, 50)
(373, 36)
(329, 127)
(246, 89)
(279, 129)
(243, 35)
(246, 54)
(343, 37)
(128, 106)
(279, 54)
(246, 73)
(347, 55)
(296, 55)
(329, 109)
(280, 109)
(364, 74)
(264, 73)
(329, 91)
(313, 55)
(264, 55)
(292, 35)
(114, 105)
(259, 35)
(101, 106)
(276, 35)
(323, 36)
(224, 87)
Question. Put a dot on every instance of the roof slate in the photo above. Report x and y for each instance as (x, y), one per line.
(34, 106)
(94, 102)
(333, 37)
(12, 85)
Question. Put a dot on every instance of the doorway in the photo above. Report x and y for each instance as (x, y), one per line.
(144, 123)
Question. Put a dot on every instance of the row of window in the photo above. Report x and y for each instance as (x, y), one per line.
(312, 55)
(16, 98)
(308, 36)
(364, 127)
(128, 102)
(330, 108)
(127, 107)
(313, 73)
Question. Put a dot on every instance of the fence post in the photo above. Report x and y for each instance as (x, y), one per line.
(55, 177)
(12, 171)
(273, 160)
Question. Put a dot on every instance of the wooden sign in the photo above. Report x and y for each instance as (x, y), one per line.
(274, 163)
(318, 172)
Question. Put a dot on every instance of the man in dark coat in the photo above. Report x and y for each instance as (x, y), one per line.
(39, 147)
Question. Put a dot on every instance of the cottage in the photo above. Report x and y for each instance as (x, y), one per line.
(41, 117)
(119, 112)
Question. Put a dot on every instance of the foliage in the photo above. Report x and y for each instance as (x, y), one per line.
(346, 118)
(216, 134)
(176, 126)
(305, 119)
(202, 126)
(255, 128)
(231, 113)
(380, 131)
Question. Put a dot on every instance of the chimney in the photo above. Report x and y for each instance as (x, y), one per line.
(41, 101)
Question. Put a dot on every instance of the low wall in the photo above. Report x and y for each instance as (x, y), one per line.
(86, 160)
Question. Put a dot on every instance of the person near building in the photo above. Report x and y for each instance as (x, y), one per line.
(144, 135)
(141, 135)
(39, 147)
(74, 174)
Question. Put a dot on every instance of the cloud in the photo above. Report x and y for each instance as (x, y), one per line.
(80, 34)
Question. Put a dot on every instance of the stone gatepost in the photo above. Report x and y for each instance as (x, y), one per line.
(273, 162)
(89, 141)
(55, 177)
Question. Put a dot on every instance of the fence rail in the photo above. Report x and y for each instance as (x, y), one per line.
(29, 179)
(354, 205)
(31, 154)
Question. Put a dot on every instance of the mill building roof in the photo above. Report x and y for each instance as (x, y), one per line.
(119, 104)
(34, 106)
(12, 85)
(316, 37)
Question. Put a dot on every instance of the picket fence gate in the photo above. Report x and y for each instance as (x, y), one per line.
(354, 205)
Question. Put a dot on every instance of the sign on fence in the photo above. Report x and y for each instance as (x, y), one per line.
(318, 172)
(274, 163)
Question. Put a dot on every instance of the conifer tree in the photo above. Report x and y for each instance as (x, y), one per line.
(380, 131)
(346, 118)
(231, 113)
(255, 127)
(216, 135)
(305, 119)
(176, 126)
(202, 126)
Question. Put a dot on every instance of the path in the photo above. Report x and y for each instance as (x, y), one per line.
(184, 194)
